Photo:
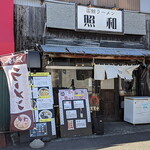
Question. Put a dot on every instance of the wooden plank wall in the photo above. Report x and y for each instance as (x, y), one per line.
(108, 3)
(122, 4)
(29, 26)
(68, 37)
(129, 4)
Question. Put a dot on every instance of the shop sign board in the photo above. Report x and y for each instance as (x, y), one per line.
(99, 19)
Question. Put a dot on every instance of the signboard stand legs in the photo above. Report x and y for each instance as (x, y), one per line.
(37, 143)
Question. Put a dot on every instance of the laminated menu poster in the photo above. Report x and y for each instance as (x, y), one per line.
(67, 105)
(40, 129)
(74, 111)
(70, 125)
(42, 99)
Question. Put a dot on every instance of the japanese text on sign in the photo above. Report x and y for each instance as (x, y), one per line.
(99, 19)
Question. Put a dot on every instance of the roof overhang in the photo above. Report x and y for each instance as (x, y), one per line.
(95, 52)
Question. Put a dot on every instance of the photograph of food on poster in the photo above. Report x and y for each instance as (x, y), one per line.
(45, 115)
(43, 92)
(71, 114)
(81, 123)
(67, 105)
(70, 124)
(44, 103)
(40, 129)
(78, 104)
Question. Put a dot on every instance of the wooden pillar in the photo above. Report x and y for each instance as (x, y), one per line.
(116, 87)
(2, 140)
(138, 83)
(147, 34)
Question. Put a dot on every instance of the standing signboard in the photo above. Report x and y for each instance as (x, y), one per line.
(99, 19)
(75, 119)
(42, 102)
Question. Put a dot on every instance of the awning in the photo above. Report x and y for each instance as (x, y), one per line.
(95, 51)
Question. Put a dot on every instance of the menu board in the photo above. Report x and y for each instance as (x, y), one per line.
(42, 100)
(40, 129)
(74, 110)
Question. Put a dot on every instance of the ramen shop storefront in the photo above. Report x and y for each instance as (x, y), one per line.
(73, 68)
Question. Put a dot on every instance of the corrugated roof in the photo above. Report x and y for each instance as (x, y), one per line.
(96, 51)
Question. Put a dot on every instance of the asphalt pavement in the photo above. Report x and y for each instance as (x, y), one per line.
(118, 136)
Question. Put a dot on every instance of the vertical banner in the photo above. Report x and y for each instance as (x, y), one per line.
(6, 27)
(15, 68)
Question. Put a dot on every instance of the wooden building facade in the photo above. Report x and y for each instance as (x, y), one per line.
(30, 27)
(31, 30)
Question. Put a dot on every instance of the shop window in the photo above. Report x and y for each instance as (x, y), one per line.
(83, 74)
(64, 77)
